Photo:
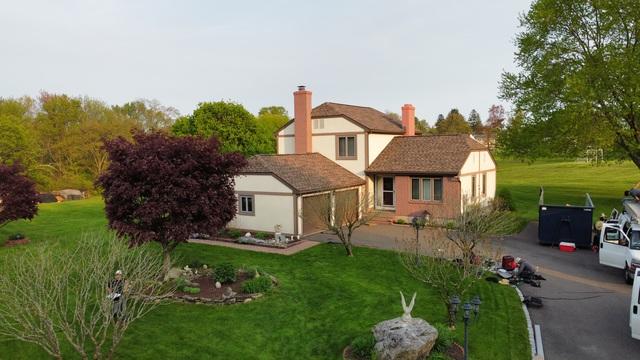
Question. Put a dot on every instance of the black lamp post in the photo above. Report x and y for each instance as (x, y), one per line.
(468, 307)
(418, 223)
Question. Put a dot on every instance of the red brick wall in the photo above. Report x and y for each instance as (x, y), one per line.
(448, 208)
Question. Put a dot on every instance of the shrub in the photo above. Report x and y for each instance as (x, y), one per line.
(254, 272)
(16, 236)
(191, 290)
(445, 338)
(400, 221)
(196, 264)
(261, 235)
(224, 273)
(257, 285)
(504, 201)
(362, 347)
(234, 233)
(181, 283)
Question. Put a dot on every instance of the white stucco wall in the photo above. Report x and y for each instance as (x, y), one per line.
(273, 204)
(286, 145)
(478, 163)
(326, 145)
(288, 130)
(377, 143)
(260, 183)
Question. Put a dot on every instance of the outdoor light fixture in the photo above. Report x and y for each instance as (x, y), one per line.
(468, 307)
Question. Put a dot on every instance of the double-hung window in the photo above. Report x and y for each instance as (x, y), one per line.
(346, 148)
(246, 205)
(426, 189)
(484, 184)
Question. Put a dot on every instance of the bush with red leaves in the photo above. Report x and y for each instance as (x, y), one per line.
(164, 188)
(18, 197)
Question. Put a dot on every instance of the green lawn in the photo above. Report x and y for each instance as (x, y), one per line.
(566, 182)
(324, 301)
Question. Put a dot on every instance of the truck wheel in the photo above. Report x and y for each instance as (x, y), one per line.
(628, 277)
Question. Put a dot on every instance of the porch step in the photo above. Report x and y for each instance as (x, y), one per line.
(383, 217)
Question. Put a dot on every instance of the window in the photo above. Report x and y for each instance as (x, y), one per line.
(415, 189)
(346, 148)
(426, 189)
(484, 184)
(318, 123)
(246, 206)
(473, 187)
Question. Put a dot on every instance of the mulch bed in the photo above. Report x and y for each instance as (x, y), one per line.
(455, 352)
(10, 243)
(208, 287)
(230, 240)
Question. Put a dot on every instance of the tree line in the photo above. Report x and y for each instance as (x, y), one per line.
(58, 139)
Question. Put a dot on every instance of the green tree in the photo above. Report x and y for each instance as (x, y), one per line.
(269, 120)
(580, 75)
(149, 114)
(231, 123)
(475, 123)
(17, 142)
(454, 123)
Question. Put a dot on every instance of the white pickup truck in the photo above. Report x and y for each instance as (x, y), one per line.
(620, 240)
(634, 311)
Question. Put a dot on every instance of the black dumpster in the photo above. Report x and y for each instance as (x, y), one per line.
(569, 223)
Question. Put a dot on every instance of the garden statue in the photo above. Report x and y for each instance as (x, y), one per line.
(405, 337)
(407, 309)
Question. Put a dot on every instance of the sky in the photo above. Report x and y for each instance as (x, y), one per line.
(434, 54)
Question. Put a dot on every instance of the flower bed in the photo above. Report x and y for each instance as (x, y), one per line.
(202, 285)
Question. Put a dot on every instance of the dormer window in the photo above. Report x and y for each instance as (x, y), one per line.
(346, 148)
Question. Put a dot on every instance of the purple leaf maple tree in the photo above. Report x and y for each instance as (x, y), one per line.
(164, 188)
(18, 196)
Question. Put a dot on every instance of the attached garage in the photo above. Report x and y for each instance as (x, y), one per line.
(313, 207)
(289, 191)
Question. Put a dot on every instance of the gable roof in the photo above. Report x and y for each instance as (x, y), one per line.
(304, 173)
(431, 154)
(369, 118)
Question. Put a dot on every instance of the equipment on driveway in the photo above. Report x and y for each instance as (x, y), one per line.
(518, 271)
(567, 246)
(619, 239)
(565, 223)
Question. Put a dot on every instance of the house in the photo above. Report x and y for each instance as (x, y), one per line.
(336, 150)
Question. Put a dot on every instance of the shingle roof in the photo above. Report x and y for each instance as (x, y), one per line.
(370, 118)
(305, 173)
(431, 154)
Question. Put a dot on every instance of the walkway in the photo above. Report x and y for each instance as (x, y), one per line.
(302, 245)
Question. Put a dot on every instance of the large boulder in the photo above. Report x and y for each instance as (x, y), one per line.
(404, 339)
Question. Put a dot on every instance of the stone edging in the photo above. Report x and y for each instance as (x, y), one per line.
(525, 310)
(236, 299)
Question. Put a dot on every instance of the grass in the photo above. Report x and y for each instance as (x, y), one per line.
(323, 302)
(566, 182)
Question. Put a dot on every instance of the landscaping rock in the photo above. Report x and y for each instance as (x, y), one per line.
(218, 285)
(173, 274)
(228, 293)
(399, 339)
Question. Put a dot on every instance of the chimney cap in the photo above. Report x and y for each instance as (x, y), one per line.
(301, 87)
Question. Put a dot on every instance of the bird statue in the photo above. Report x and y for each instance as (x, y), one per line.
(407, 309)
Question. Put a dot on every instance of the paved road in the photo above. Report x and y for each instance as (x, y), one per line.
(586, 305)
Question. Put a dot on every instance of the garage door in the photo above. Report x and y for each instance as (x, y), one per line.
(312, 209)
(346, 201)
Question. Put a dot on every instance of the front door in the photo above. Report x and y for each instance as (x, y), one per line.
(388, 194)
(613, 247)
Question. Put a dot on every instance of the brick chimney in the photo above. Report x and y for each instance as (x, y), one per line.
(408, 119)
(302, 120)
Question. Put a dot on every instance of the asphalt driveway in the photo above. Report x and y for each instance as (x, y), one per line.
(586, 305)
